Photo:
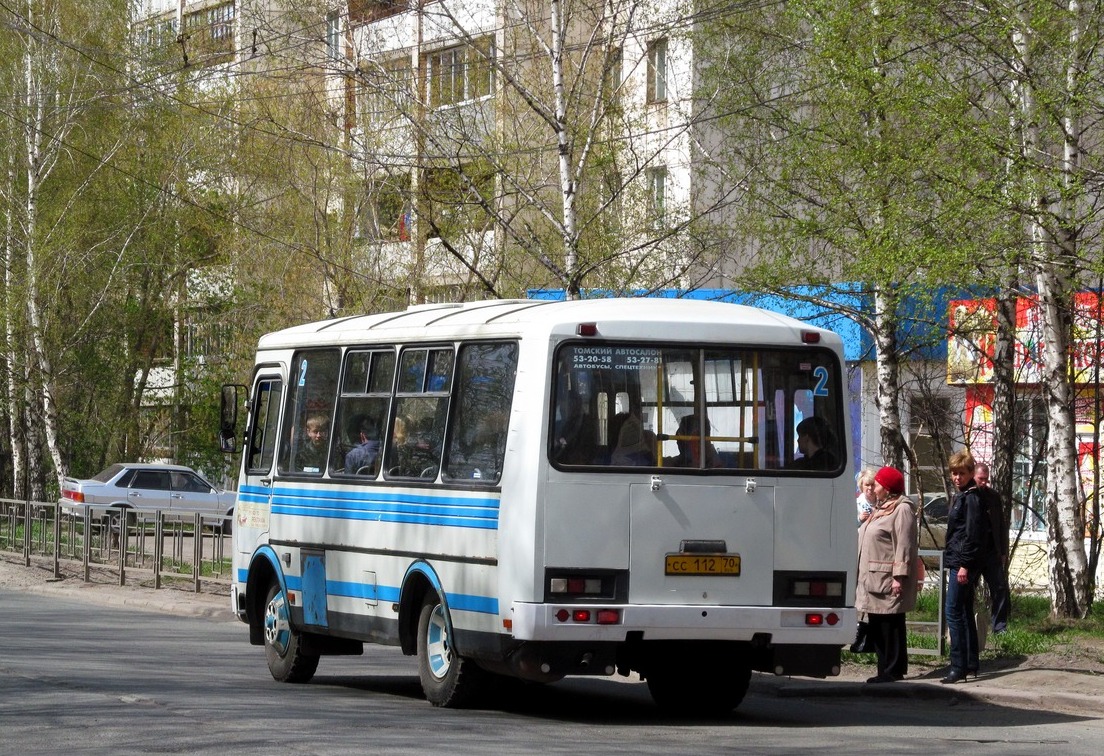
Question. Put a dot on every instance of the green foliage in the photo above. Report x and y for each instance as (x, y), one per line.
(1033, 630)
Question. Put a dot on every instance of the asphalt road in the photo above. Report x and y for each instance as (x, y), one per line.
(79, 677)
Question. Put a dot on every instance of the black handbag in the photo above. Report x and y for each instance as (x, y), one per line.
(863, 644)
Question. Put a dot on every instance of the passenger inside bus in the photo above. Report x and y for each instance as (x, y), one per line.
(815, 442)
(363, 457)
(316, 437)
(635, 446)
(688, 440)
(415, 449)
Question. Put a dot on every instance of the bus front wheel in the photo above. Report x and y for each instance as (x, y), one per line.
(283, 644)
(448, 679)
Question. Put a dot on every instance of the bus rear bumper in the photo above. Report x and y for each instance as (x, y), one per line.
(798, 626)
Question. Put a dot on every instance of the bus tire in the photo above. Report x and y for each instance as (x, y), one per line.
(694, 690)
(448, 679)
(283, 644)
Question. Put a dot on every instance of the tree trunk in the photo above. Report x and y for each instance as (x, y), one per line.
(563, 147)
(36, 168)
(1005, 422)
(12, 355)
(889, 378)
(1065, 530)
(1069, 584)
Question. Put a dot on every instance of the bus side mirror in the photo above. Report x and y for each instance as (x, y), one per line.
(228, 418)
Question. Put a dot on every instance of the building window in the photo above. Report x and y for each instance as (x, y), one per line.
(385, 90)
(1029, 469)
(461, 73)
(333, 36)
(369, 11)
(613, 78)
(385, 214)
(222, 22)
(931, 435)
(210, 31)
(657, 70)
(657, 195)
(158, 33)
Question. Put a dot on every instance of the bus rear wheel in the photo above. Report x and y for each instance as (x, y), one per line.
(447, 679)
(699, 688)
(283, 644)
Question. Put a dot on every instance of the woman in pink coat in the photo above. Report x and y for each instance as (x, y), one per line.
(886, 582)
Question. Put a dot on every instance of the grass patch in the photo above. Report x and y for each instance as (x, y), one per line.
(1032, 629)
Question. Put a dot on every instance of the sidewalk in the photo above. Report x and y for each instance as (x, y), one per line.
(1001, 682)
(39, 578)
(1050, 683)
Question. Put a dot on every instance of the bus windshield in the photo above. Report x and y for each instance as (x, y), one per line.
(750, 409)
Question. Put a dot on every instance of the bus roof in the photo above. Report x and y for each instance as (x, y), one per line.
(675, 320)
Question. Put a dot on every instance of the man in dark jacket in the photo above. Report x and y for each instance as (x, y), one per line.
(995, 569)
(968, 547)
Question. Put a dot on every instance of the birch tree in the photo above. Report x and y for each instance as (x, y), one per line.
(836, 119)
(1056, 215)
(1042, 62)
(48, 118)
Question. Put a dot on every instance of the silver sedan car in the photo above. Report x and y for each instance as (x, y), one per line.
(172, 489)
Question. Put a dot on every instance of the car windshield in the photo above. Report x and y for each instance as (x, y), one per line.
(107, 473)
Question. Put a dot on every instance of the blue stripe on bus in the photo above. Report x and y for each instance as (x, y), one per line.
(419, 506)
(408, 518)
(389, 594)
(479, 512)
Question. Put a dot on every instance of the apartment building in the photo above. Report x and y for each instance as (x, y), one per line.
(528, 137)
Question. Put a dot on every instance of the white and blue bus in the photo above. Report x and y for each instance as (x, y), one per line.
(543, 489)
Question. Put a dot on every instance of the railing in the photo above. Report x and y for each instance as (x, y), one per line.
(172, 547)
(934, 578)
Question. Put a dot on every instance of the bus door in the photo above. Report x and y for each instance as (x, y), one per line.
(701, 543)
(254, 509)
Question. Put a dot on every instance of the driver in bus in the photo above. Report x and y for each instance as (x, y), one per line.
(814, 438)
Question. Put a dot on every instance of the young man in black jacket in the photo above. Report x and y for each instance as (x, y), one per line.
(969, 546)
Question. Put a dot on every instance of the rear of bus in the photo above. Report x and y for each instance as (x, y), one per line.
(695, 510)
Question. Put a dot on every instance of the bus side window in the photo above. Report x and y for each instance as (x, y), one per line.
(308, 428)
(362, 413)
(483, 398)
(421, 407)
(262, 435)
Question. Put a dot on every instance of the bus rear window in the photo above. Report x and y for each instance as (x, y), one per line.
(687, 408)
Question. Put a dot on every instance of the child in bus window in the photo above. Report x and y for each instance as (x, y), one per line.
(312, 454)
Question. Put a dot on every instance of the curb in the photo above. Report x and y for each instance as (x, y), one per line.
(163, 600)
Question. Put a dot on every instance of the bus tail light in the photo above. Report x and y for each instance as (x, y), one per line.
(609, 616)
(585, 586)
(817, 589)
(590, 616)
(578, 586)
(816, 619)
(810, 337)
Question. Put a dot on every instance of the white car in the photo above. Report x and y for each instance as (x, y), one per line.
(172, 489)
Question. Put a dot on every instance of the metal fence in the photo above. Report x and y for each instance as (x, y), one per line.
(933, 579)
(194, 548)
